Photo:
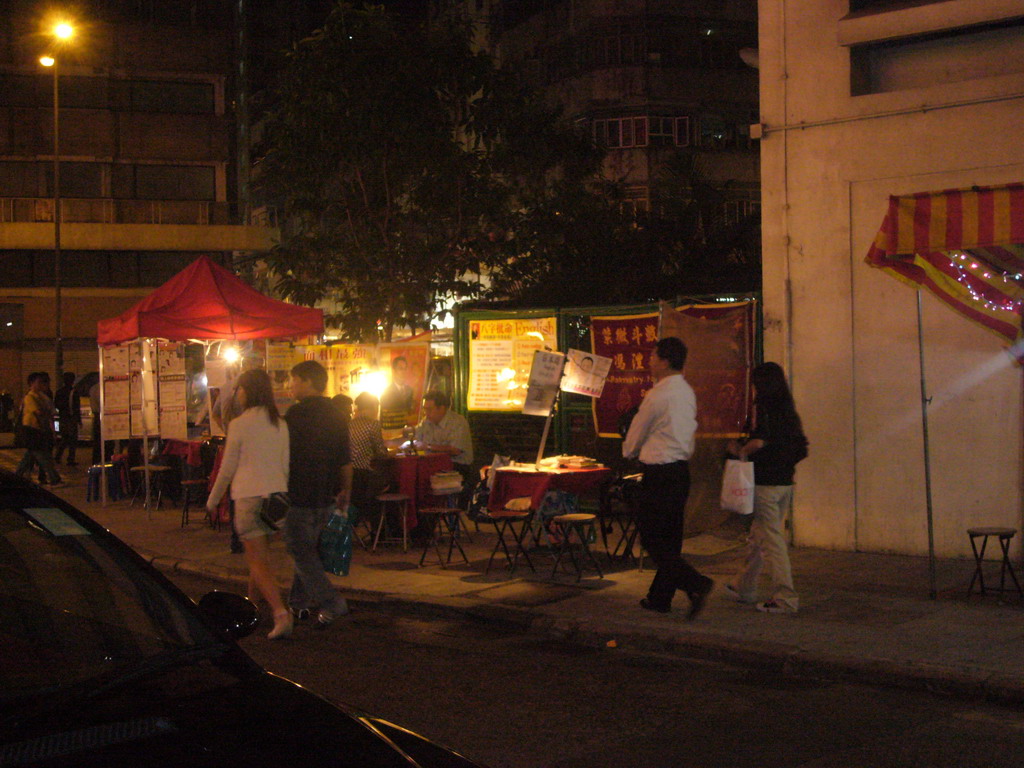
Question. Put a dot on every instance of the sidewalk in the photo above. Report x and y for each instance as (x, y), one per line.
(863, 617)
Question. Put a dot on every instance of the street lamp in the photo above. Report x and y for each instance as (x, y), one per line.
(62, 31)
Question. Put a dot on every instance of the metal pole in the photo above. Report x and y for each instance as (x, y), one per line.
(925, 400)
(103, 446)
(58, 330)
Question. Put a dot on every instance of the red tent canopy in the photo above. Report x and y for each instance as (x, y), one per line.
(206, 301)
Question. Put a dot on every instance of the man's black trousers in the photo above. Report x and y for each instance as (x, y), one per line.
(660, 513)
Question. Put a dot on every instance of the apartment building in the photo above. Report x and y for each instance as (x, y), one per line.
(647, 78)
(147, 166)
(866, 105)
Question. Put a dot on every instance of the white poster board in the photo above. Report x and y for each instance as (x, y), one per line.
(172, 391)
(116, 399)
(500, 358)
(542, 387)
(585, 373)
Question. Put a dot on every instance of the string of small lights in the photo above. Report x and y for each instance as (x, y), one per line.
(970, 273)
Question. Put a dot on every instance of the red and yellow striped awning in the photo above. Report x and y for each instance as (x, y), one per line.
(964, 245)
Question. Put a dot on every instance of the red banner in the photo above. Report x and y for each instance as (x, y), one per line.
(628, 341)
(720, 340)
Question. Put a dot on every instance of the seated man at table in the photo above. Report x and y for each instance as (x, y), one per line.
(445, 431)
(366, 446)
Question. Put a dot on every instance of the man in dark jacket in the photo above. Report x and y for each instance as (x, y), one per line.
(319, 481)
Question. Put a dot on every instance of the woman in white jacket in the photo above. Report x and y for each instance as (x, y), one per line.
(256, 465)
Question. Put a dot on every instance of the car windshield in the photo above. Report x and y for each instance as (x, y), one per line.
(74, 607)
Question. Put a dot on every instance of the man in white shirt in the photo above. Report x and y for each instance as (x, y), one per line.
(662, 435)
(445, 431)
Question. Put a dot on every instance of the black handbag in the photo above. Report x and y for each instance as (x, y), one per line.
(274, 509)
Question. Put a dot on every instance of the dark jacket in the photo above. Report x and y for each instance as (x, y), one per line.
(784, 446)
(318, 441)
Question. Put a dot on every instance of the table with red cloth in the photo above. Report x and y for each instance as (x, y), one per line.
(189, 450)
(515, 482)
(412, 474)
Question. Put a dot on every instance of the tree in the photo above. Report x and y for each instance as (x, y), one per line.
(582, 247)
(397, 158)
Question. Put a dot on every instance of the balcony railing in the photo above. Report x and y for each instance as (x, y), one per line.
(109, 211)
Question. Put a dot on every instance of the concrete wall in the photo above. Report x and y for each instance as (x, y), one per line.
(847, 333)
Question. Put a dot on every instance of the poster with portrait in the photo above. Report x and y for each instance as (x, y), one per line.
(500, 359)
(405, 367)
(585, 373)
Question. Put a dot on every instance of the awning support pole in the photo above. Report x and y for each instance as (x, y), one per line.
(925, 401)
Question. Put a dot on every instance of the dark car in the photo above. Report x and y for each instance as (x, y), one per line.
(104, 662)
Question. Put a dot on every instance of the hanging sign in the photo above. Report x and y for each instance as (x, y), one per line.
(627, 340)
(585, 373)
(116, 402)
(720, 343)
(542, 386)
(171, 390)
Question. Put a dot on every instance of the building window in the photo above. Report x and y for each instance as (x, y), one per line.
(661, 131)
(636, 200)
(734, 211)
(107, 93)
(174, 182)
(650, 130)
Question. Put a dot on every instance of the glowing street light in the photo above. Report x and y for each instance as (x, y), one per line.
(62, 31)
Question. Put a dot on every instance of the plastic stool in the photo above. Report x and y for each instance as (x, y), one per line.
(1003, 535)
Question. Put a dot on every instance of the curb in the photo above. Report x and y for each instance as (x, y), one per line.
(778, 658)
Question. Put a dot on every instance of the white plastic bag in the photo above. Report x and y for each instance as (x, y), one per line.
(738, 487)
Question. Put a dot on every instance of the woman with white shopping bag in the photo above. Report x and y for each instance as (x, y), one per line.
(775, 445)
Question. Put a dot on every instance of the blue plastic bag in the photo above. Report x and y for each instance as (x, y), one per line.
(336, 544)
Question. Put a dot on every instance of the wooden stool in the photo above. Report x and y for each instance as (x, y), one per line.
(580, 523)
(194, 490)
(156, 472)
(439, 518)
(399, 503)
(1003, 535)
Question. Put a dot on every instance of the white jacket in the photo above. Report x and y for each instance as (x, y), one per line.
(255, 457)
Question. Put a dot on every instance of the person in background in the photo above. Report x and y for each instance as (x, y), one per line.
(256, 464)
(94, 404)
(366, 443)
(319, 482)
(37, 430)
(662, 435)
(445, 431)
(344, 405)
(776, 443)
(69, 413)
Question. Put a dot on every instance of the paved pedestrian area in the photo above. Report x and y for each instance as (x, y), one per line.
(864, 617)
